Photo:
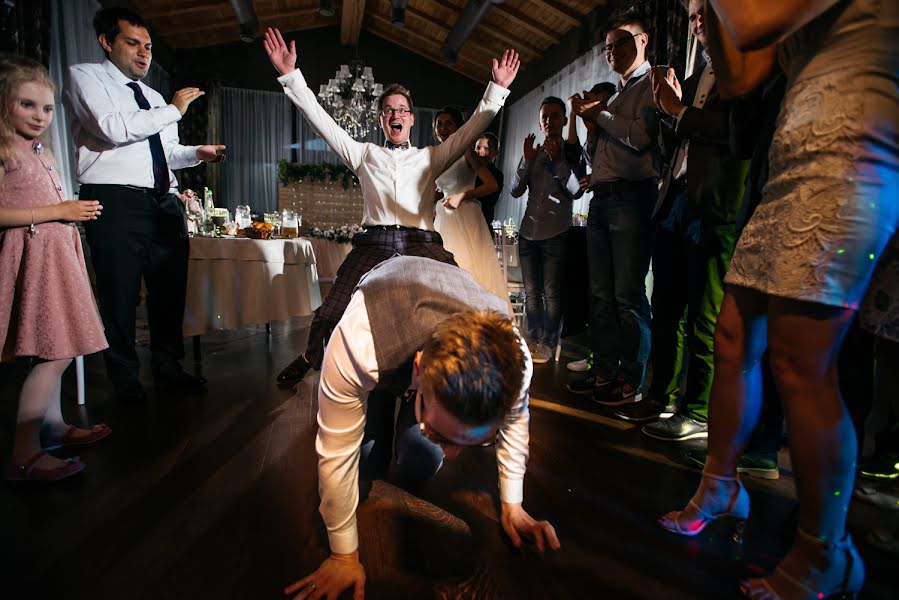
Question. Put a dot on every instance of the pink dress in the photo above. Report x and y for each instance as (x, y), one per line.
(47, 308)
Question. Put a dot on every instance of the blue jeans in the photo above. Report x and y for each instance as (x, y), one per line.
(417, 458)
(541, 269)
(619, 247)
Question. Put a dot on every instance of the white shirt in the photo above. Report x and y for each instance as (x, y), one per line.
(111, 130)
(703, 89)
(397, 185)
(349, 372)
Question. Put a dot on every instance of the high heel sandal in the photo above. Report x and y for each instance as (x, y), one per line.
(737, 508)
(843, 578)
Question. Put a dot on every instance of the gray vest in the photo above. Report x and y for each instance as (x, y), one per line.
(405, 298)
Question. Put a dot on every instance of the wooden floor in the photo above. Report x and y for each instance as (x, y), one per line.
(215, 497)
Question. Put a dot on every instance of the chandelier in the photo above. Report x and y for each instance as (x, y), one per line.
(351, 98)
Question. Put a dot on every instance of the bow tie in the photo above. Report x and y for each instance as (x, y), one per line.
(391, 146)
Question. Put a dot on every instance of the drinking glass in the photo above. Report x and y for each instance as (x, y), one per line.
(290, 224)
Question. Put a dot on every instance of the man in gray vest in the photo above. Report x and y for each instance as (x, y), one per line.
(422, 327)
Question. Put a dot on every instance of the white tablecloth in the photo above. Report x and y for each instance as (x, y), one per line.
(235, 282)
(329, 256)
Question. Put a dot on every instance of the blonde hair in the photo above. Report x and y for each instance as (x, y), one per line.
(474, 363)
(14, 71)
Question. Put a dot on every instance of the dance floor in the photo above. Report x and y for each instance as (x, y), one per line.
(215, 496)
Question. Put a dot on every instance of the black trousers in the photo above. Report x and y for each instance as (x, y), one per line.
(140, 235)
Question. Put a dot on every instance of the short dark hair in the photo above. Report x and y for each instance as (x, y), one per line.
(604, 86)
(454, 113)
(631, 16)
(474, 363)
(394, 89)
(106, 21)
(554, 100)
(492, 140)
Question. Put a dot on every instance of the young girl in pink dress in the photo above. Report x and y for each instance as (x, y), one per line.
(47, 311)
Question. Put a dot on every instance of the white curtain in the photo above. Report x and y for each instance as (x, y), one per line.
(74, 42)
(522, 118)
(256, 130)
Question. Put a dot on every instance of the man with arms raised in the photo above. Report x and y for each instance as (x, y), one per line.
(427, 328)
(397, 182)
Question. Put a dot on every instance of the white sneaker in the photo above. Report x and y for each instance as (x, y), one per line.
(541, 354)
(578, 366)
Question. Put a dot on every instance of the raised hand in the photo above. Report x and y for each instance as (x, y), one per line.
(211, 153)
(283, 59)
(666, 92)
(79, 210)
(505, 70)
(530, 152)
(553, 149)
(337, 573)
(517, 522)
(184, 97)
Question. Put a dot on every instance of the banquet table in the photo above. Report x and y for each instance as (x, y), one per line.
(328, 256)
(233, 282)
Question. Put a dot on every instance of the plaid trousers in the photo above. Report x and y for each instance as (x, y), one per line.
(371, 248)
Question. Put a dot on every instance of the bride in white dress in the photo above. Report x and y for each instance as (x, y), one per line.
(459, 219)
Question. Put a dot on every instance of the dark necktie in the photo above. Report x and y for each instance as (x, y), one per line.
(391, 146)
(160, 166)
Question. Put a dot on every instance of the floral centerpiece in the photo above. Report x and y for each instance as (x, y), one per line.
(343, 234)
(193, 209)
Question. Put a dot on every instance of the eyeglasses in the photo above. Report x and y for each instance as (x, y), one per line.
(389, 111)
(437, 438)
(607, 49)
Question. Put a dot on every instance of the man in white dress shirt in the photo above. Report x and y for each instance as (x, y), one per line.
(127, 143)
(426, 328)
(397, 182)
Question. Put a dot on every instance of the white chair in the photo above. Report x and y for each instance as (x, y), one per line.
(79, 379)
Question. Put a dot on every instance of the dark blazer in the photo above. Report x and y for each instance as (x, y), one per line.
(715, 179)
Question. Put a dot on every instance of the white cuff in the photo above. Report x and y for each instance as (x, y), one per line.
(347, 541)
(294, 79)
(511, 491)
(496, 93)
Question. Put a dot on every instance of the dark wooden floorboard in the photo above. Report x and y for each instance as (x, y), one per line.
(215, 496)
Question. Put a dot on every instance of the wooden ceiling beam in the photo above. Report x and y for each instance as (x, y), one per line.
(556, 11)
(523, 20)
(526, 51)
(183, 10)
(434, 55)
(351, 21)
(264, 21)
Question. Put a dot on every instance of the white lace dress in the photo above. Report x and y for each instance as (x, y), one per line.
(831, 204)
(465, 232)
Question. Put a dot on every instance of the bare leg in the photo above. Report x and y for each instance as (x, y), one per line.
(734, 404)
(34, 401)
(804, 343)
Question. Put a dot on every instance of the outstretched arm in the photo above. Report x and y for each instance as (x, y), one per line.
(70, 210)
(512, 457)
(504, 72)
(284, 59)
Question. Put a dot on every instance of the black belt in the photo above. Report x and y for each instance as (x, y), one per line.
(394, 228)
(620, 185)
(130, 188)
